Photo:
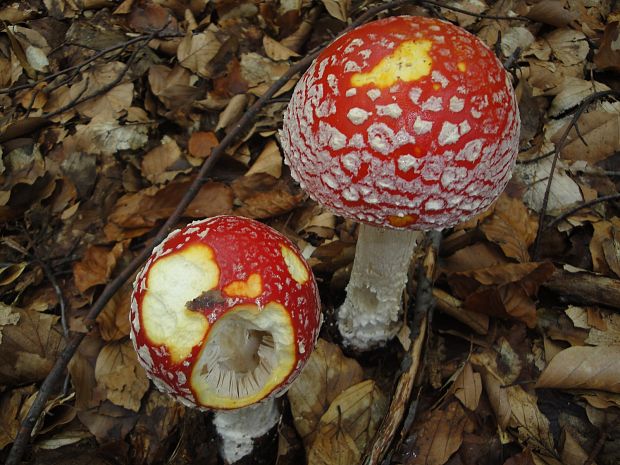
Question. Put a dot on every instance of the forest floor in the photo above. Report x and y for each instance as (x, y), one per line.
(110, 108)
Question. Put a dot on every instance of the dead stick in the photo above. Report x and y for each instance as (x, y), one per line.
(566, 214)
(402, 394)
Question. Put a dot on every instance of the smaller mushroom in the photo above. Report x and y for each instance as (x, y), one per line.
(404, 124)
(224, 315)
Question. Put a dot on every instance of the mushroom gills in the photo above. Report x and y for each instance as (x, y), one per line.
(238, 358)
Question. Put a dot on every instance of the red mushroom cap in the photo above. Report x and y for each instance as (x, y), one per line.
(224, 313)
(404, 122)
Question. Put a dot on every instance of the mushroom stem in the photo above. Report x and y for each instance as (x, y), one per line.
(370, 314)
(240, 429)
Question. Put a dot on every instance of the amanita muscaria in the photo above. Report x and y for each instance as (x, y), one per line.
(224, 315)
(403, 124)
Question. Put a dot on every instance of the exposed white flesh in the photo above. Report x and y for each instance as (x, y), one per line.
(370, 315)
(248, 353)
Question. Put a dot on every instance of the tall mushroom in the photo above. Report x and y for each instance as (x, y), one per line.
(404, 124)
(224, 315)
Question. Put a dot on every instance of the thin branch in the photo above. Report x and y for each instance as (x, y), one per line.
(101, 91)
(83, 64)
(566, 214)
(558, 148)
(476, 15)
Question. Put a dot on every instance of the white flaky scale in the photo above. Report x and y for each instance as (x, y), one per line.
(432, 132)
(358, 115)
(393, 110)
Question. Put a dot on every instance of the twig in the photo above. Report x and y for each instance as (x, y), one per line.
(398, 411)
(476, 15)
(101, 91)
(558, 148)
(568, 213)
(21, 441)
(83, 64)
(600, 442)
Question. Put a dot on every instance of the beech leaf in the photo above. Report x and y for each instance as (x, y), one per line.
(349, 423)
(584, 368)
(119, 372)
(326, 374)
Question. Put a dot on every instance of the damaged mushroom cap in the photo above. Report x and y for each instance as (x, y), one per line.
(404, 122)
(224, 313)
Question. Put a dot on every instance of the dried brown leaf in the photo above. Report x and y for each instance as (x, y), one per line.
(113, 321)
(564, 192)
(117, 370)
(201, 143)
(88, 393)
(572, 452)
(357, 411)
(164, 162)
(602, 234)
(524, 458)
(261, 72)
(111, 104)
(468, 387)
(142, 210)
(276, 51)
(150, 17)
(478, 255)
(571, 92)
(505, 290)
(512, 227)
(11, 413)
(333, 446)
(608, 53)
(173, 86)
(438, 435)
(532, 426)
(269, 161)
(233, 111)
(104, 136)
(569, 46)
(96, 266)
(339, 9)
(515, 409)
(109, 423)
(8, 316)
(552, 12)
(326, 375)
(601, 132)
(196, 51)
(263, 196)
(584, 368)
(162, 415)
(29, 347)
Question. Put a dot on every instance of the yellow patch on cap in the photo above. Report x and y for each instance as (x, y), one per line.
(402, 221)
(295, 266)
(410, 61)
(251, 288)
(172, 282)
(462, 67)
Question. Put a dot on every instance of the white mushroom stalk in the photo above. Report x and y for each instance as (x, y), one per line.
(404, 123)
(371, 313)
(240, 429)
